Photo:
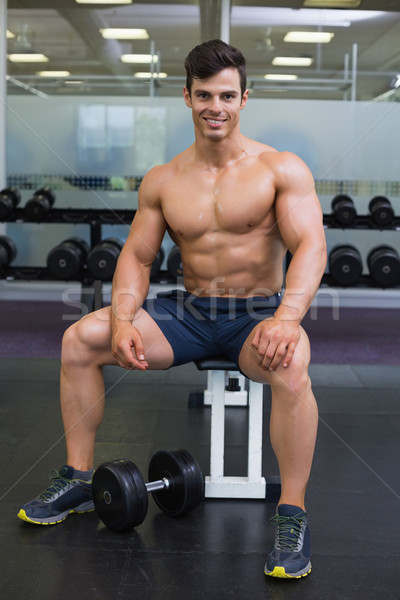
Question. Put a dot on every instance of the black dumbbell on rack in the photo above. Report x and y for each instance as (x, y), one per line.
(9, 200)
(345, 265)
(156, 265)
(8, 251)
(39, 206)
(174, 263)
(384, 266)
(381, 211)
(343, 210)
(120, 495)
(102, 259)
(67, 258)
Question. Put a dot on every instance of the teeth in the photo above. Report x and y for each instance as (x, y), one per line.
(212, 121)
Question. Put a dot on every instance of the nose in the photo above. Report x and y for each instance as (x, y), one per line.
(215, 105)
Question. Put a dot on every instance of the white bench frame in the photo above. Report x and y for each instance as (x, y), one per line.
(217, 484)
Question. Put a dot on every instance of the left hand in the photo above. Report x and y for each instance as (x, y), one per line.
(275, 341)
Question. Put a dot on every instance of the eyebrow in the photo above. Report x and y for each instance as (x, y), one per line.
(231, 92)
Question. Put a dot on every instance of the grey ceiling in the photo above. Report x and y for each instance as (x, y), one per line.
(69, 34)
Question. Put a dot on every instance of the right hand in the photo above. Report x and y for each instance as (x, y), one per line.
(127, 347)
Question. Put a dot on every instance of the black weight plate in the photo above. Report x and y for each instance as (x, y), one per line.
(65, 260)
(343, 209)
(81, 244)
(47, 193)
(381, 210)
(186, 482)
(37, 208)
(384, 265)
(102, 260)
(120, 495)
(156, 265)
(345, 265)
(174, 263)
(9, 246)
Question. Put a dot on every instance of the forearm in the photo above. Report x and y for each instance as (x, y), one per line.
(129, 289)
(302, 282)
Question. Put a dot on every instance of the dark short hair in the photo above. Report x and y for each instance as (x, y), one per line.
(213, 56)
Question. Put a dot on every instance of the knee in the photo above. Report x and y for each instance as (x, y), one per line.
(76, 343)
(293, 382)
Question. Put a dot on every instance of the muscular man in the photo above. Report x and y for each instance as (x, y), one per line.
(234, 206)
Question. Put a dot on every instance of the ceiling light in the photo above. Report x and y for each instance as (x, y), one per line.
(104, 1)
(10, 35)
(27, 58)
(292, 61)
(139, 59)
(279, 77)
(143, 75)
(111, 33)
(53, 73)
(332, 3)
(313, 37)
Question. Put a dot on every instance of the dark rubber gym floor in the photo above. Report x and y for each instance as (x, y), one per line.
(218, 550)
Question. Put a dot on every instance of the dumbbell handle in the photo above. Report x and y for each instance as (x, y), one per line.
(162, 484)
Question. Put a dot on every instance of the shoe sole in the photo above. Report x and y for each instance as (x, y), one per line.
(281, 573)
(50, 520)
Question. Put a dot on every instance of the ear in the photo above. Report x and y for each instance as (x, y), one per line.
(187, 98)
(244, 99)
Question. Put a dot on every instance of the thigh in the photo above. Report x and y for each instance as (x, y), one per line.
(95, 332)
(248, 361)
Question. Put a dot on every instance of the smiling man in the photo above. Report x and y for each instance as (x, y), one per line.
(234, 206)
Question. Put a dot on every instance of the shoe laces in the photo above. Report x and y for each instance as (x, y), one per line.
(59, 483)
(289, 530)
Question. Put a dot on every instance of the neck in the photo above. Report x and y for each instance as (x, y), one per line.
(219, 154)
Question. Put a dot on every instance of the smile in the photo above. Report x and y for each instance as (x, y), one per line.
(214, 121)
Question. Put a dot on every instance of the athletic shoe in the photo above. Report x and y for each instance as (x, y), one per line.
(290, 556)
(67, 494)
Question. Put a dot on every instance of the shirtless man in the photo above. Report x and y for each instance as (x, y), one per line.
(234, 206)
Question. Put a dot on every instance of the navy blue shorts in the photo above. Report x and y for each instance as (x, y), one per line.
(202, 327)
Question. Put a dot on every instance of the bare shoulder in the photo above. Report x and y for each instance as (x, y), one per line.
(289, 169)
(153, 183)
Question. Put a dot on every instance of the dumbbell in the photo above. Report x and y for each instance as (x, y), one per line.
(156, 265)
(345, 264)
(120, 495)
(39, 206)
(174, 263)
(9, 200)
(102, 259)
(381, 210)
(343, 210)
(66, 260)
(384, 265)
(8, 251)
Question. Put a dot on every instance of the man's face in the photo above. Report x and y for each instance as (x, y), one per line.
(216, 103)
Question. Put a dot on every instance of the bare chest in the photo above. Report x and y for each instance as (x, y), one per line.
(233, 202)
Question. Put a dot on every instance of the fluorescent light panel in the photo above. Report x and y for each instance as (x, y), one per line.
(53, 73)
(280, 77)
(27, 58)
(143, 75)
(332, 3)
(305, 37)
(112, 33)
(292, 61)
(104, 1)
(139, 59)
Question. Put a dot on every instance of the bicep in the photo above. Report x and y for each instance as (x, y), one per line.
(148, 228)
(297, 208)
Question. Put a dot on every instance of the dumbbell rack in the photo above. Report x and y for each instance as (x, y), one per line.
(94, 218)
(361, 222)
